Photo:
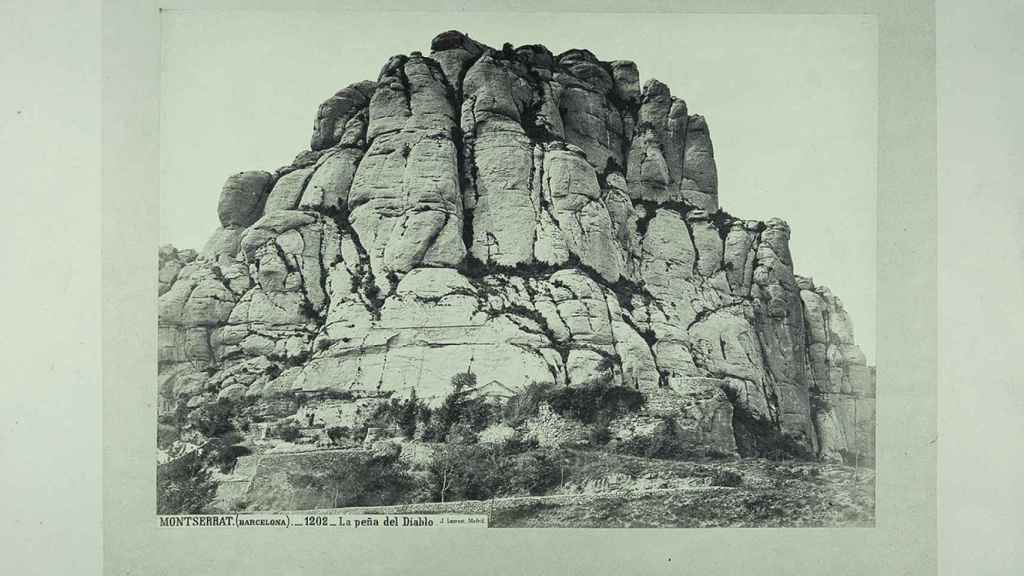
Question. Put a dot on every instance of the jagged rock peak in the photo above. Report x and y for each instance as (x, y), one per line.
(453, 39)
(539, 217)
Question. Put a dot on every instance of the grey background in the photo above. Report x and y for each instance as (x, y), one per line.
(50, 419)
(904, 536)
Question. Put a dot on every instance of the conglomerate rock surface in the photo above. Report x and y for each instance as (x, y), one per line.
(530, 217)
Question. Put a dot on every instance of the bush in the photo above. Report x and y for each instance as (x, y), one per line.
(463, 433)
(470, 413)
(218, 422)
(461, 472)
(665, 444)
(371, 480)
(403, 414)
(517, 445)
(526, 402)
(759, 438)
(288, 431)
(782, 446)
(213, 419)
(600, 434)
(184, 486)
(533, 473)
(424, 419)
(219, 417)
(482, 472)
(338, 434)
(596, 401)
(223, 451)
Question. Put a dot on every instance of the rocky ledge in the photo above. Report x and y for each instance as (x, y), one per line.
(529, 217)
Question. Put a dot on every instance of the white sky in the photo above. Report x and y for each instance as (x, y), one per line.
(791, 103)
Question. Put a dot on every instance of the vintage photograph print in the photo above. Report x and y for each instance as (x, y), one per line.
(585, 271)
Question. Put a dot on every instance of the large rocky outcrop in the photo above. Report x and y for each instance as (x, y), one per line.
(530, 217)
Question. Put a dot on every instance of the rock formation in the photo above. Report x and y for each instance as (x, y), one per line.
(530, 217)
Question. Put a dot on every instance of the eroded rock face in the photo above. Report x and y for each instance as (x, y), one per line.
(529, 217)
(842, 385)
(405, 203)
(341, 119)
(242, 198)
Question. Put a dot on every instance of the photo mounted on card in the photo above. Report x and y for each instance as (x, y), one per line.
(590, 280)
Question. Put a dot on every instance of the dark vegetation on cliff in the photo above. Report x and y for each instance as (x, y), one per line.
(445, 456)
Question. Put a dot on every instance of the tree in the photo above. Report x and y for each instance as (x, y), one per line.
(471, 414)
(443, 468)
(408, 414)
(463, 382)
(224, 450)
(338, 434)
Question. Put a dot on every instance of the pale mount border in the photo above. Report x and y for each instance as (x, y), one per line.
(903, 540)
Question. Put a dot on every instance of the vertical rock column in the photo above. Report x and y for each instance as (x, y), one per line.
(504, 214)
(779, 325)
(405, 203)
(338, 120)
(671, 158)
(699, 185)
(842, 385)
(241, 203)
(655, 164)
